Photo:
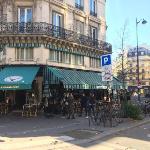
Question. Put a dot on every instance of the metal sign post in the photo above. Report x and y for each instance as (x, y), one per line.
(106, 65)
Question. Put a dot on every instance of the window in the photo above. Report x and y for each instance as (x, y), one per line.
(58, 23)
(25, 15)
(130, 70)
(24, 54)
(3, 17)
(80, 27)
(93, 6)
(143, 77)
(57, 19)
(130, 54)
(79, 4)
(1, 55)
(93, 33)
(142, 53)
(94, 62)
(143, 70)
(64, 57)
(24, 18)
(59, 56)
(77, 59)
(54, 55)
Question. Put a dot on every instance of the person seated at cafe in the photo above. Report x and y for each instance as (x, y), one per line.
(8, 102)
(45, 100)
(107, 99)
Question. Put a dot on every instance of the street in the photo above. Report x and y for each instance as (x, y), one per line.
(61, 134)
(137, 138)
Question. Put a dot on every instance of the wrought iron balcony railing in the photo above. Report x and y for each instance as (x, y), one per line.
(93, 13)
(79, 6)
(41, 28)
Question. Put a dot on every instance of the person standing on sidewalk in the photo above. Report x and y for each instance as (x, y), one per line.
(83, 102)
(71, 106)
(90, 104)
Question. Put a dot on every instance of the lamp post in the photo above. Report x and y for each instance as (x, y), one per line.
(137, 51)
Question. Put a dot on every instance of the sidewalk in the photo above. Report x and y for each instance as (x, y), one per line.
(55, 132)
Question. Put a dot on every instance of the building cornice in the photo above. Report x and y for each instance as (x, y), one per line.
(94, 19)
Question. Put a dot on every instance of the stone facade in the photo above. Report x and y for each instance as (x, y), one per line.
(144, 67)
(42, 14)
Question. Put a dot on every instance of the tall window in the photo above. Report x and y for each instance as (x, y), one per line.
(3, 17)
(93, 33)
(130, 70)
(142, 53)
(1, 55)
(59, 56)
(25, 14)
(143, 70)
(79, 4)
(80, 27)
(58, 24)
(94, 62)
(65, 57)
(54, 55)
(143, 77)
(93, 5)
(77, 59)
(24, 54)
(57, 19)
(24, 17)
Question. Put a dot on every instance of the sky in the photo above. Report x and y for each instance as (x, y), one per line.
(121, 12)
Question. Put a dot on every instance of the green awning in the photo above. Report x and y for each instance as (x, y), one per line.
(75, 79)
(117, 84)
(17, 78)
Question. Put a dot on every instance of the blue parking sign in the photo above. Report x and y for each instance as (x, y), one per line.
(106, 60)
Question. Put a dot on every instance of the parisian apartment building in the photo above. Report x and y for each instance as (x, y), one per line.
(144, 69)
(45, 43)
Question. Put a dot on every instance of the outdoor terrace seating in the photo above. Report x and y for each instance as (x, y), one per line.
(3, 108)
(29, 110)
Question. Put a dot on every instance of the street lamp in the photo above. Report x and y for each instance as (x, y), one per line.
(143, 21)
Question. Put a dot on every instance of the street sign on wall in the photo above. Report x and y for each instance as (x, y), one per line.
(106, 65)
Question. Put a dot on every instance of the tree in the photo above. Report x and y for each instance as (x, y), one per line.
(122, 63)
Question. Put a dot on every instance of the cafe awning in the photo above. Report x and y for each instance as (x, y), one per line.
(17, 78)
(77, 79)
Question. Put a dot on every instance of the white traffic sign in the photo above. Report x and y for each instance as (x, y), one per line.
(106, 67)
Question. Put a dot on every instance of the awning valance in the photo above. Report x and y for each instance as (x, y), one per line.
(75, 79)
(17, 78)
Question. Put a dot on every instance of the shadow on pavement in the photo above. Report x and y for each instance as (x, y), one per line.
(56, 129)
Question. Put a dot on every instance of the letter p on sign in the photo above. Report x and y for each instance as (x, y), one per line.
(106, 60)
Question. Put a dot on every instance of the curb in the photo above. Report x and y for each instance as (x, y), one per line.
(108, 133)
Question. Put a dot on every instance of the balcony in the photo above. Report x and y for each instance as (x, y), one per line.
(45, 29)
(78, 6)
(92, 13)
